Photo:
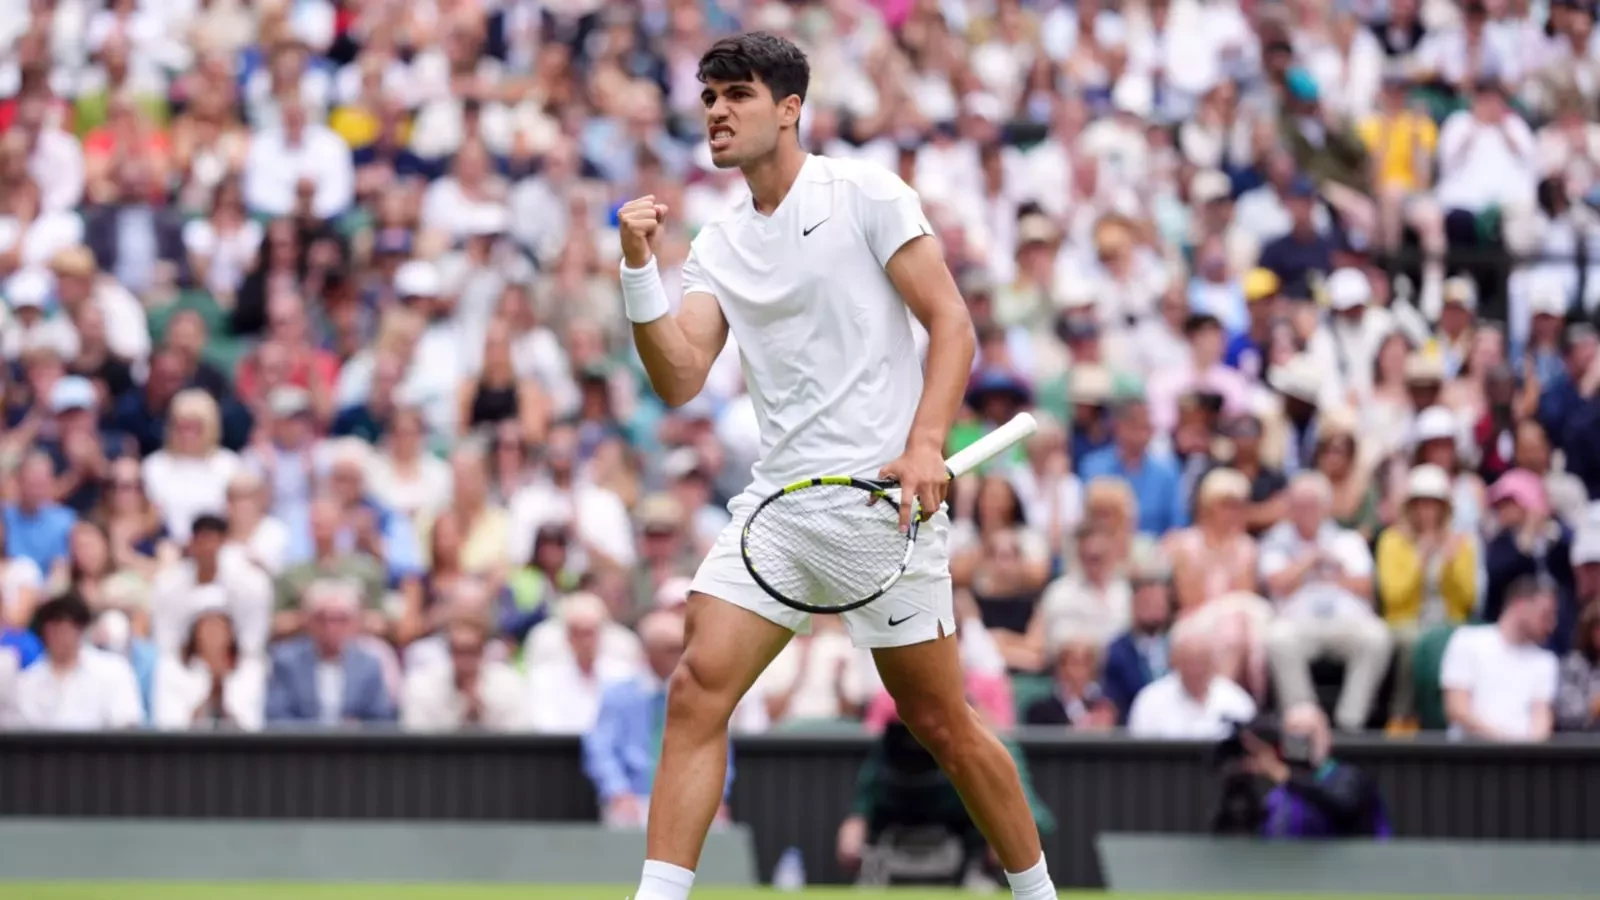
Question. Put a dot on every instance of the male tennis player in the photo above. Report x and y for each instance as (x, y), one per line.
(813, 274)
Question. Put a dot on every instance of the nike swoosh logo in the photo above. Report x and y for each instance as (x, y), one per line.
(893, 622)
(807, 232)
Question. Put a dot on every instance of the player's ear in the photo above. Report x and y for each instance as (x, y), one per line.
(789, 111)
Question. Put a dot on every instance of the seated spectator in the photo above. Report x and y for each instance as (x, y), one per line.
(283, 452)
(1528, 542)
(566, 681)
(1109, 508)
(112, 632)
(206, 579)
(1320, 578)
(1205, 373)
(596, 516)
(21, 585)
(665, 551)
(1139, 656)
(1193, 701)
(1499, 683)
(1436, 441)
(1094, 598)
(1566, 493)
(1076, 699)
(498, 394)
(486, 527)
(36, 527)
(74, 686)
(1214, 577)
(817, 676)
(258, 537)
(403, 475)
(1266, 501)
(208, 683)
(1427, 574)
(1577, 706)
(1152, 475)
(135, 528)
(1002, 561)
(471, 691)
(189, 475)
(325, 678)
(621, 749)
(1051, 496)
(330, 560)
(1487, 161)
(1356, 492)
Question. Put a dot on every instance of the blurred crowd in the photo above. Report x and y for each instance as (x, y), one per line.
(320, 408)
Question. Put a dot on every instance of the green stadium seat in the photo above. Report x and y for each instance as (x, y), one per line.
(1425, 666)
(1025, 689)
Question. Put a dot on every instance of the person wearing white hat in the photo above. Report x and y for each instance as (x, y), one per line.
(1453, 336)
(1436, 438)
(1347, 341)
(1544, 305)
(31, 324)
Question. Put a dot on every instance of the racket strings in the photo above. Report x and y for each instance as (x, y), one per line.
(826, 545)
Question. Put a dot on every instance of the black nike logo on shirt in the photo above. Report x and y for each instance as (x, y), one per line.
(807, 232)
(893, 622)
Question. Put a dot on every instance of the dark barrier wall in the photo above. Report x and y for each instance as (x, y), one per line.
(792, 790)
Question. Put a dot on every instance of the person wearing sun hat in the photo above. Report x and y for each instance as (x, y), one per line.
(1529, 541)
(1427, 573)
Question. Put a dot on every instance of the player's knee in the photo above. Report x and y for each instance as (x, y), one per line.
(947, 732)
(694, 695)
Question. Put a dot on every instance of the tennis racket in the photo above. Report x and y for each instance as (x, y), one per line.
(833, 544)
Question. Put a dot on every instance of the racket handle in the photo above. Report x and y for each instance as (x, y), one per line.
(992, 444)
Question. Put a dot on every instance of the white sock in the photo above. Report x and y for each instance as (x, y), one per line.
(1034, 884)
(664, 881)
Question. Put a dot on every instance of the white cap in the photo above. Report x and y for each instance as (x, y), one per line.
(29, 288)
(1208, 185)
(1434, 424)
(1462, 290)
(71, 392)
(1428, 482)
(418, 278)
(486, 219)
(1073, 292)
(1547, 297)
(1348, 289)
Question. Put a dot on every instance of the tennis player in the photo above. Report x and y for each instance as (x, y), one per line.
(813, 274)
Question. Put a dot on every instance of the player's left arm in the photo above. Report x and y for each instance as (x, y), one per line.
(919, 274)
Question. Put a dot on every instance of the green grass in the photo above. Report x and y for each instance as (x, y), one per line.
(243, 891)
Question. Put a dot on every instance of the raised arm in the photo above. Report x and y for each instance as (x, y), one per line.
(677, 350)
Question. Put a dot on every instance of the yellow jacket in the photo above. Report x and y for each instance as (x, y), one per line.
(1400, 574)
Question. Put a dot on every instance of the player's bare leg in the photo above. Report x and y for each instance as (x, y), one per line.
(925, 681)
(726, 649)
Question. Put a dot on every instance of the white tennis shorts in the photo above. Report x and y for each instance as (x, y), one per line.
(920, 607)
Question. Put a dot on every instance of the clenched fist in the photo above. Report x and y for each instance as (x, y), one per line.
(639, 221)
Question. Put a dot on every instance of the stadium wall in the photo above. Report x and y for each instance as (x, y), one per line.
(791, 790)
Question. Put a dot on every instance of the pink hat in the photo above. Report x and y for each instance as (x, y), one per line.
(1522, 488)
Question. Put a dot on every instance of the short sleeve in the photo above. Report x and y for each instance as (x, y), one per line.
(1547, 679)
(693, 275)
(1455, 673)
(1275, 558)
(1354, 555)
(891, 214)
(199, 237)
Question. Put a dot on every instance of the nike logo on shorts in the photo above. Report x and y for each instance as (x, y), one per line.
(893, 622)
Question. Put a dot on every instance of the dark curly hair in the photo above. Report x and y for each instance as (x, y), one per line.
(758, 56)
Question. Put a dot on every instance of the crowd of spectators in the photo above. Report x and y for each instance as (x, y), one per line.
(320, 408)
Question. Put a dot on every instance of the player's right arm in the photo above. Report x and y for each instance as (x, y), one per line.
(677, 350)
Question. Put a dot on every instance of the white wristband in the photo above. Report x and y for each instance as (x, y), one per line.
(642, 295)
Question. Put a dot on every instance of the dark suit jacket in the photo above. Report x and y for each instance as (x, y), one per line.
(100, 234)
(292, 689)
(1504, 562)
(1124, 675)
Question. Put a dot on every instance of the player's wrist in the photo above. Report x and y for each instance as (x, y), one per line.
(643, 297)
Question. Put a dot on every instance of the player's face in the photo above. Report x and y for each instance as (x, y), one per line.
(744, 121)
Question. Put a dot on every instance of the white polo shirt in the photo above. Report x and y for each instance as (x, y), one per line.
(827, 343)
(1165, 710)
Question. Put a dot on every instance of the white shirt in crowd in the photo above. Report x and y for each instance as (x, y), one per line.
(127, 327)
(273, 171)
(99, 693)
(564, 699)
(240, 588)
(1319, 596)
(1165, 710)
(185, 487)
(180, 689)
(430, 701)
(818, 674)
(1483, 165)
(425, 491)
(1505, 681)
(229, 256)
(56, 166)
(600, 516)
(40, 240)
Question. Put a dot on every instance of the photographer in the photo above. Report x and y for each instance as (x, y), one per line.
(1280, 782)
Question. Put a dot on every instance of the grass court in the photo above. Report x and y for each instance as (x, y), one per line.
(281, 891)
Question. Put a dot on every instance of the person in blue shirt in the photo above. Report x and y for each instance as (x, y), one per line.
(1152, 476)
(621, 751)
(1561, 397)
(1303, 251)
(1247, 350)
(36, 526)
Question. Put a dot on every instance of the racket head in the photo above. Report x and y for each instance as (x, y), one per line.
(829, 544)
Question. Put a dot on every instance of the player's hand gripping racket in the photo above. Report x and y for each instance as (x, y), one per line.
(833, 544)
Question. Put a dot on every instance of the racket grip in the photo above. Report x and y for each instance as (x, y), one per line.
(992, 444)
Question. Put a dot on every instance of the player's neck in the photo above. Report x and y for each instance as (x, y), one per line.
(771, 177)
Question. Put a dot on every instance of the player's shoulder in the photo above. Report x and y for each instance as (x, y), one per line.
(866, 178)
